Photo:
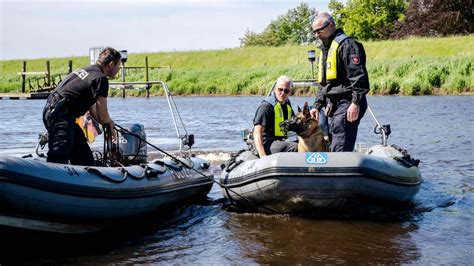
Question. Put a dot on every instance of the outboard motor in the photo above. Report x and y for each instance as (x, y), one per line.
(133, 149)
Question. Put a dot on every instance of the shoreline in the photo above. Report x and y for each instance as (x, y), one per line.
(22, 96)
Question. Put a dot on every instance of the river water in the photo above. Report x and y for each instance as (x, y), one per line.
(437, 228)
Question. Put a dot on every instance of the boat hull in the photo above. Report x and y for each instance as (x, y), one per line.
(66, 192)
(298, 182)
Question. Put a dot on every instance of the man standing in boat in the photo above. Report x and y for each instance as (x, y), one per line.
(83, 90)
(344, 82)
(267, 133)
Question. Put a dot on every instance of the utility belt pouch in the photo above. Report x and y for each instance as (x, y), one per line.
(55, 103)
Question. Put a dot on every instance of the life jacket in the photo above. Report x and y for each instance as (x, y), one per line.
(278, 115)
(331, 59)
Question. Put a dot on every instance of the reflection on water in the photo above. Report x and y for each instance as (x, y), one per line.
(435, 229)
(270, 239)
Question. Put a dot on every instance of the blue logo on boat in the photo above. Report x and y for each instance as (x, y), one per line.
(316, 157)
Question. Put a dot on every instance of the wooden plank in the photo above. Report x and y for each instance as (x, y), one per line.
(129, 87)
(14, 96)
(33, 73)
(24, 96)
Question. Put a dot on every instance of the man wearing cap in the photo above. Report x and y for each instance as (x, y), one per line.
(268, 135)
(344, 82)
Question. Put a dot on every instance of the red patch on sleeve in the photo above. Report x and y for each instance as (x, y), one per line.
(355, 60)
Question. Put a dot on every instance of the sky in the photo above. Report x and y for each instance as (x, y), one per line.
(31, 29)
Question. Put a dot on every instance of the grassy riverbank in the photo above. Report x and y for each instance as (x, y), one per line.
(416, 66)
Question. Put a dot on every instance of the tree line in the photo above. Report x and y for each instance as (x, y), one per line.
(370, 20)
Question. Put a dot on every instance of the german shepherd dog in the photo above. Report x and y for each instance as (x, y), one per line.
(310, 135)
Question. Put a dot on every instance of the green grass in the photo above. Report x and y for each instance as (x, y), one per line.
(415, 66)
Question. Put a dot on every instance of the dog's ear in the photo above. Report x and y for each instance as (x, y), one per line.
(305, 108)
(299, 109)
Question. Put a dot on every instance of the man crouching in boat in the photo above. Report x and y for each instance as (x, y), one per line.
(83, 90)
(267, 134)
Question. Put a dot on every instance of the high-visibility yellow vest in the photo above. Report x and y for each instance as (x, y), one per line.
(279, 117)
(331, 60)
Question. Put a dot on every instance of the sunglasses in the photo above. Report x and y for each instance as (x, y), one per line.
(321, 30)
(286, 91)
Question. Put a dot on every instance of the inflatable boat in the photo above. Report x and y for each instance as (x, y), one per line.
(87, 193)
(123, 184)
(291, 182)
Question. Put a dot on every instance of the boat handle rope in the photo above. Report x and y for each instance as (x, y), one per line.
(406, 159)
(147, 172)
(99, 173)
(232, 162)
(179, 162)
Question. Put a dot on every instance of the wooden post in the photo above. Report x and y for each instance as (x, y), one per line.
(146, 68)
(146, 78)
(123, 79)
(23, 77)
(69, 66)
(48, 74)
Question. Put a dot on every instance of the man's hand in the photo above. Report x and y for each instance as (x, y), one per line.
(113, 132)
(353, 112)
(314, 114)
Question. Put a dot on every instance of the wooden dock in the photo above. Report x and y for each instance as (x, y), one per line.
(24, 96)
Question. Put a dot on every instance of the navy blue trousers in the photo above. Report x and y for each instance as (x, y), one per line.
(344, 133)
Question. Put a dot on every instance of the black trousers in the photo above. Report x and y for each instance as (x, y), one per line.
(67, 142)
(344, 133)
(281, 146)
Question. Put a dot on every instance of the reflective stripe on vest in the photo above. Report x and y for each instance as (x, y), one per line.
(279, 117)
(331, 60)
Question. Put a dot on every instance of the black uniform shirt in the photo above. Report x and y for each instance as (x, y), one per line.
(82, 87)
(352, 81)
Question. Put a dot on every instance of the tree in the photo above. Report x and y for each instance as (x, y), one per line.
(436, 17)
(292, 28)
(368, 19)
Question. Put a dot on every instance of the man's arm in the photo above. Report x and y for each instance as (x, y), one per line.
(258, 140)
(100, 112)
(354, 59)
